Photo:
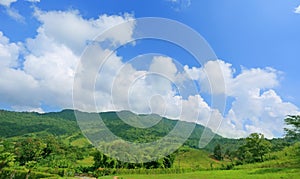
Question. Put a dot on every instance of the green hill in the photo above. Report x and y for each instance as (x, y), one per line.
(14, 124)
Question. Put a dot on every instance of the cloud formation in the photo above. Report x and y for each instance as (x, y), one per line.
(297, 10)
(43, 75)
(256, 106)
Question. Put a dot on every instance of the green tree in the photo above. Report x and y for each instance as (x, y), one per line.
(293, 121)
(229, 154)
(29, 149)
(6, 159)
(101, 160)
(254, 149)
(218, 152)
(54, 146)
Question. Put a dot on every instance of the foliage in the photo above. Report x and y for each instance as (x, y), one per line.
(6, 159)
(29, 149)
(21, 123)
(254, 149)
(218, 152)
(102, 161)
(294, 130)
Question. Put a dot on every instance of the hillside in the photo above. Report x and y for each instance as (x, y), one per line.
(14, 124)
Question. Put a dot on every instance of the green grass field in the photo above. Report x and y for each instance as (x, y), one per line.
(196, 159)
(284, 165)
(266, 173)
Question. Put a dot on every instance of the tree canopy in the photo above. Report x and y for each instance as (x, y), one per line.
(293, 131)
(254, 149)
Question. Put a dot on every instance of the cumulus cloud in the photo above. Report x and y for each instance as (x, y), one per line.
(71, 29)
(297, 10)
(9, 52)
(256, 106)
(17, 87)
(48, 66)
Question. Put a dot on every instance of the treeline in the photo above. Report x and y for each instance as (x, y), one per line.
(34, 153)
(255, 148)
(24, 123)
(103, 161)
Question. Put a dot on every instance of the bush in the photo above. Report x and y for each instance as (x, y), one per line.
(227, 167)
(20, 174)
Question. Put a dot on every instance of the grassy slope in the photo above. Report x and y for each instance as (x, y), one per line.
(196, 159)
(282, 164)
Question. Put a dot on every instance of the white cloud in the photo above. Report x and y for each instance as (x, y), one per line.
(17, 87)
(69, 28)
(27, 109)
(252, 79)
(7, 2)
(49, 64)
(33, 1)
(9, 52)
(215, 77)
(297, 10)
(256, 106)
(179, 5)
(13, 13)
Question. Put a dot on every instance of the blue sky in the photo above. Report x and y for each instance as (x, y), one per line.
(256, 41)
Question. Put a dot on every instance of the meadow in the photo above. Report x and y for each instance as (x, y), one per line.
(267, 173)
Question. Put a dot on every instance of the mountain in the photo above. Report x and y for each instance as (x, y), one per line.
(136, 128)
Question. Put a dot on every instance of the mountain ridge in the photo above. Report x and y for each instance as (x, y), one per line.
(13, 124)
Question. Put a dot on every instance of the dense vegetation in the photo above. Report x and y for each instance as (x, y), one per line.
(36, 145)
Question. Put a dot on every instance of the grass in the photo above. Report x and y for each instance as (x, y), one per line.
(86, 162)
(81, 142)
(282, 165)
(270, 173)
(196, 159)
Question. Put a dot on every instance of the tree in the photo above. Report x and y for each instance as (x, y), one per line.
(229, 154)
(101, 160)
(29, 149)
(254, 149)
(293, 121)
(218, 152)
(6, 160)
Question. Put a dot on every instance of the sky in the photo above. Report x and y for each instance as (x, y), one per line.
(256, 43)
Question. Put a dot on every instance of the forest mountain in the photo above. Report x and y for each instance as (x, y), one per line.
(63, 123)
